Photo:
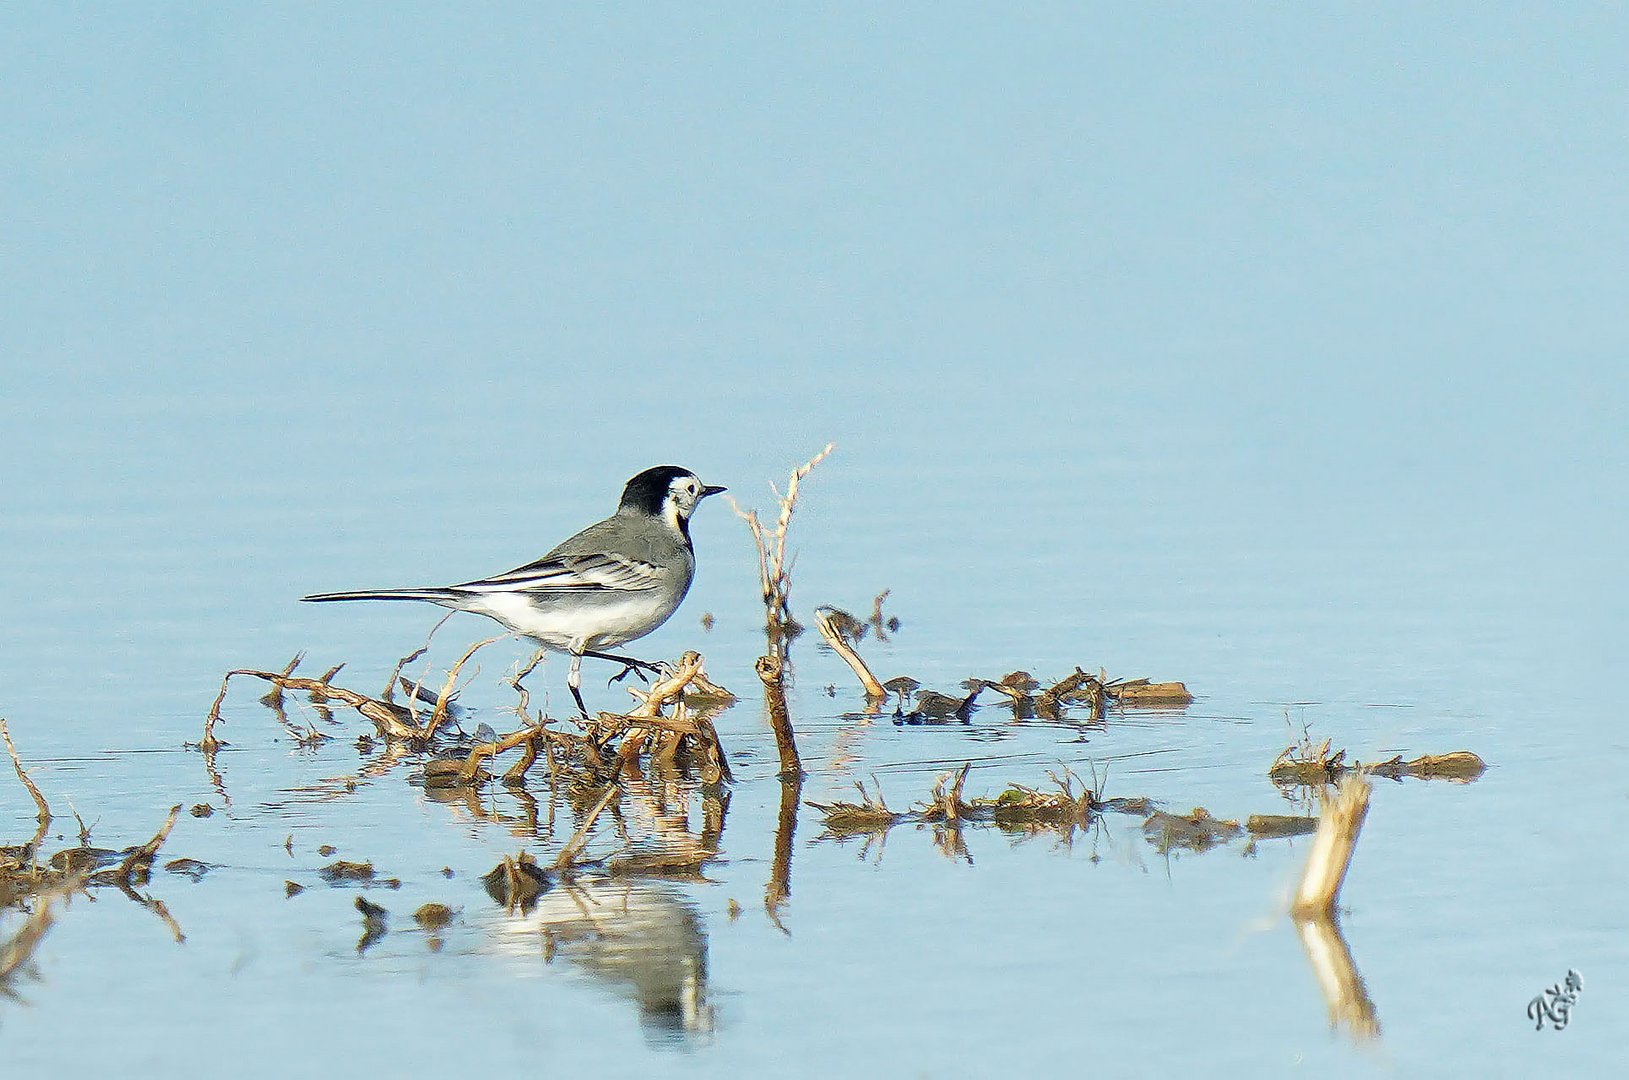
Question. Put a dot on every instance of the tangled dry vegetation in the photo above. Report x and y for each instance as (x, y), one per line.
(670, 726)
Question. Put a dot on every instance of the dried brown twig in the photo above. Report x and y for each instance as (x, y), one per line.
(775, 576)
(139, 860)
(826, 621)
(775, 580)
(444, 700)
(22, 774)
(1332, 846)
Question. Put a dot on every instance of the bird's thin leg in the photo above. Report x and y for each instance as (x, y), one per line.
(574, 678)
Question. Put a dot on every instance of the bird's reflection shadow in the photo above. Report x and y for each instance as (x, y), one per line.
(641, 938)
(626, 922)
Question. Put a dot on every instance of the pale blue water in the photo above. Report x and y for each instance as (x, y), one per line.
(1281, 355)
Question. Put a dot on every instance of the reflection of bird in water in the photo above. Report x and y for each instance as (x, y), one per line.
(638, 937)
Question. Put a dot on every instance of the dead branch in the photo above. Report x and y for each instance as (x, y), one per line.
(442, 702)
(826, 622)
(770, 669)
(515, 683)
(470, 770)
(391, 720)
(1332, 846)
(389, 693)
(669, 688)
(773, 574)
(44, 815)
(139, 860)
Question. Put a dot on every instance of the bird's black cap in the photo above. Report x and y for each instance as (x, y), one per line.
(647, 491)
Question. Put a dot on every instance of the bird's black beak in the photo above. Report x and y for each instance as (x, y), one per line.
(711, 489)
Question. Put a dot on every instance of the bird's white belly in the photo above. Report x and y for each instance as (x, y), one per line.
(590, 621)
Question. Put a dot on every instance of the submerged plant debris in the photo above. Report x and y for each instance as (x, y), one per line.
(1018, 810)
(1307, 764)
(1027, 696)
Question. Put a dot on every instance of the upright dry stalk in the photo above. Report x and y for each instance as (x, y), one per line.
(1332, 847)
(770, 672)
(439, 713)
(44, 816)
(775, 578)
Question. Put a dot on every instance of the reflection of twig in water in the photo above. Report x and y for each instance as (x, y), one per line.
(159, 909)
(1348, 999)
(779, 887)
(569, 853)
(16, 951)
(216, 780)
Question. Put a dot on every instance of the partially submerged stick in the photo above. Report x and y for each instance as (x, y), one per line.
(769, 669)
(40, 804)
(139, 861)
(1332, 848)
(1307, 764)
(826, 624)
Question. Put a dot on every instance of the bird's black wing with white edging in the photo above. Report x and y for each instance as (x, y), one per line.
(573, 573)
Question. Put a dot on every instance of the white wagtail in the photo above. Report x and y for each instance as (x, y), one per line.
(615, 581)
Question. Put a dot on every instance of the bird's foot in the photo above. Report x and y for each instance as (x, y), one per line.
(624, 673)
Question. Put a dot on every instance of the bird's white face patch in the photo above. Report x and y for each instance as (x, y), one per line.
(683, 493)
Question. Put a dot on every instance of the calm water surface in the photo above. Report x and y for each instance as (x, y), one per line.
(1464, 901)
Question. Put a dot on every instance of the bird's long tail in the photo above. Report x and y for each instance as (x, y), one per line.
(434, 596)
